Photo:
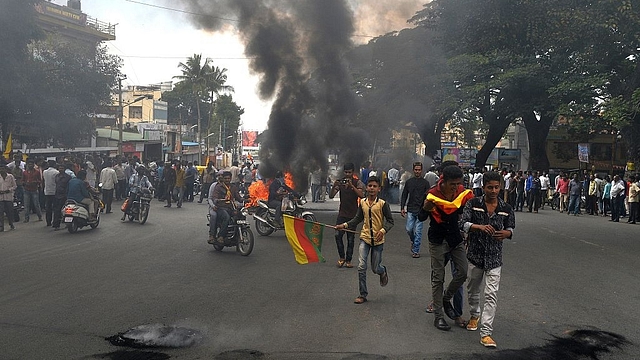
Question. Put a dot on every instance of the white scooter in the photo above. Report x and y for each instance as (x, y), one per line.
(76, 215)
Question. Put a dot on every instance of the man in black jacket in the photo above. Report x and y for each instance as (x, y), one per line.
(413, 195)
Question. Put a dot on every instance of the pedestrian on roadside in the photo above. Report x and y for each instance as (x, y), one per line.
(49, 177)
(413, 195)
(545, 186)
(375, 214)
(351, 190)
(190, 175)
(476, 182)
(634, 194)
(575, 191)
(109, 181)
(31, 181)
(178, 189)
(443, 205)
(606, 196)
(7, 188)
(617, 198)
(62, 181)
(121, 187)
(533, 196)
(563, 189)
(487, 220)
(208, 177)
(169, 181)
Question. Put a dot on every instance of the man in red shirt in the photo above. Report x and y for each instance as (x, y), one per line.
(31, 182)
(563, 189)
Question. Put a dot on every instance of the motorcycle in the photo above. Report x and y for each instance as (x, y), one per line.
(76, 215)
(139, 208)
(237, 234)
(291, 205)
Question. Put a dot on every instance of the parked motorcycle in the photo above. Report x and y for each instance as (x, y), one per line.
(76, 215)
(139, 208)
(238, 234)
(291, 205)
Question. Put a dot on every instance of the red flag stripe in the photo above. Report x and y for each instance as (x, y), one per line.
(309, 250)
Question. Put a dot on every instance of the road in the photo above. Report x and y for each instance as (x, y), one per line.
(61, 295)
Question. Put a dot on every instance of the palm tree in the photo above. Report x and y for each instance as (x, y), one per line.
(196, 75)
(216, 85)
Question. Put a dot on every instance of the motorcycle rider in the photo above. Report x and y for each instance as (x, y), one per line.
(81, 192)
(213, 215)
(224, 195)
(137, 183)
(278, 189)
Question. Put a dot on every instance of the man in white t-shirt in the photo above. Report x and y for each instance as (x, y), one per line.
(49, 176)
(477, 183)
(544, 188)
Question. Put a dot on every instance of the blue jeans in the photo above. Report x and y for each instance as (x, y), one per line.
(376, 264)
(574, 204)
(414, 230)
(31, 197)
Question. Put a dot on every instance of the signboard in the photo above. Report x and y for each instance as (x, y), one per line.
(583, 153)
(467, 157)
(160, 110)
(449, 144)
(62, 12)
(249, 139)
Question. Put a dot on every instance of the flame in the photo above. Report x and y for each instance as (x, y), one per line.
(259, 190)
(288, 179)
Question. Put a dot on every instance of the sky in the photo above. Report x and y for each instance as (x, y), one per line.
(152, 41)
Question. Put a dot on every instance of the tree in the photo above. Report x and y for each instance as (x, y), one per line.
(226, 119)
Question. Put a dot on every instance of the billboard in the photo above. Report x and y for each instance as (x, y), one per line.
(249, 139)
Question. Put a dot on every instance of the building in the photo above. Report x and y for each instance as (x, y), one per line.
(70, 22)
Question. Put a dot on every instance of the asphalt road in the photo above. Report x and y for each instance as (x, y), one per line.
(61, 295)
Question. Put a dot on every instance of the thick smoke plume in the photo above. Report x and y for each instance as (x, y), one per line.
(297, 48)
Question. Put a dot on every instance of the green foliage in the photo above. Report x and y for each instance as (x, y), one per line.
(226, 118)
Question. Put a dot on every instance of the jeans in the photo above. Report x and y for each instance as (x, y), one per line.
(617, 205)
(48, 201)
(277, 205)
(57, 211)
(224, 217)
(315, 192)
(188, 192)
(414, 230)
(633, 212)
(574, 204)
(178, 193)
(350, 240)
(107, 197)
(533, 199)
(121, 189)
(519, 200)
(376, 264)
(213, 221)
(7, 208)
(438, 255)
(31, 197)
(492, 283)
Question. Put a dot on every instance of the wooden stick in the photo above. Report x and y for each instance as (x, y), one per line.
(330, 226)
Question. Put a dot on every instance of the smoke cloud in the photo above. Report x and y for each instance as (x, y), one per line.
(297, 48)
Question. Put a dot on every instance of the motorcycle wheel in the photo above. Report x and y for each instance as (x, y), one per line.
(144, 214)
(72, 227)
(262, 228)
(218, 247)
(310, 217)
(245, 243)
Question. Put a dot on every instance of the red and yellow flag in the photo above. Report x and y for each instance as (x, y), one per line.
(305, 238)
(8, 148)
(449, 207)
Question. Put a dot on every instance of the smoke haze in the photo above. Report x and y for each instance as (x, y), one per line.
(296, 47)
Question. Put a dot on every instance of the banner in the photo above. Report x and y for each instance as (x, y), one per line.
(583, 153)
(249, 139)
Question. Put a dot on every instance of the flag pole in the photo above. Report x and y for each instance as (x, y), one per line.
(330, 226)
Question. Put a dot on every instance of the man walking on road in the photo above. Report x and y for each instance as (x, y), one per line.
(7, 187)
(443, 206)
(169, 176)
(31, 181)
(109, 180)
(617, 198)
(49, 177)
(413, 195)
(351, 191)
(488, 220)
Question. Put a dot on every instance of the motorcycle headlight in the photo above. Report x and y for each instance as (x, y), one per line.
(244, 212)
(302, 201)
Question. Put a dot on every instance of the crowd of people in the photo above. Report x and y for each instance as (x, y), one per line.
(36, 186)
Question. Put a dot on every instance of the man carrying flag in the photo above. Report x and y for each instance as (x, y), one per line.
(378, 220)
(443, 205)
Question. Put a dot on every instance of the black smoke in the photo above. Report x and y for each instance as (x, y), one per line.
(297, 48)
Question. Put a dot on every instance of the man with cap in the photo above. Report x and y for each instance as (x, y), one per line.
(213, 209)
(7, 187)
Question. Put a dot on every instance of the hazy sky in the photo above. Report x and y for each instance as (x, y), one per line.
(152, 41)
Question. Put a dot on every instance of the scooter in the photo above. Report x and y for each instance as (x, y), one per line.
(76, 215)
(291, 205)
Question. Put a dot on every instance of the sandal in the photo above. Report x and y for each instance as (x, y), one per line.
(348, 265)
(340, 263)
(429, 308)
(461, 322)
(415, 255)
(360, 300)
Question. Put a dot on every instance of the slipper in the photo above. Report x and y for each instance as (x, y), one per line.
(360, 300)
(429, 308)
(340, 263)
(461, 322)
(348, 265)
(415, 255)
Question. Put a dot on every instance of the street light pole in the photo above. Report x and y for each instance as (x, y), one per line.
(120, 115)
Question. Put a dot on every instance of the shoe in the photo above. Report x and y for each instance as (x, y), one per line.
(384, 278)
(472, 325)
(360, 300)
(56, 228)
(199, 201)
(39, 219)
(12, 227)
(220, 240)
(212, 239)
(340, 263)
(26, 221)
(487, 341)
(348, 265)
(167, 206)
(179, 206)
(429, 308)
(415, 255)
(448, 309)
(460, 322)
(441, 324)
